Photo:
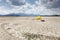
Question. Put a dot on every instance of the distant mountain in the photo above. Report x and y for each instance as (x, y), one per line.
(20, 14)
(12, 14)
(24, 14)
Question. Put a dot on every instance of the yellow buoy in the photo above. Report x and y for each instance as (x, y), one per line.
(39, 18)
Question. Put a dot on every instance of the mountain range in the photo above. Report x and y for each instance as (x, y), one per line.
(23, 14)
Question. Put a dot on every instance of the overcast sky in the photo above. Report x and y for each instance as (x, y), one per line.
(41, 7)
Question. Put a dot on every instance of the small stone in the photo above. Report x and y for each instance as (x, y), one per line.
(42, 20)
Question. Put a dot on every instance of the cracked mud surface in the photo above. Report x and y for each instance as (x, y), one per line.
(28, 28)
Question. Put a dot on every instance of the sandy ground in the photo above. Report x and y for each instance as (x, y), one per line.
(12, 28)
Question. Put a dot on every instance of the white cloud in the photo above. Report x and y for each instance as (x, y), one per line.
(37, 8)
(33, 9)
(3, 11)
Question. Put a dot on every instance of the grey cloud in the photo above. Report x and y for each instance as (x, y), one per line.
(17, 2)
(51, 3)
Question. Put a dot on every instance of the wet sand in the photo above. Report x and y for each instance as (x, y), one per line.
(12, 28)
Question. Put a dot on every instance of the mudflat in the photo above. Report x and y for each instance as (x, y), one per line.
(12, 28)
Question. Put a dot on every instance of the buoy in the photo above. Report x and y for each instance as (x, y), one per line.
(39, 18)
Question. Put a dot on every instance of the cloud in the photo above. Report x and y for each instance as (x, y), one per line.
(51, 3)
(38, 7)
(4, 11)
(15, 2)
